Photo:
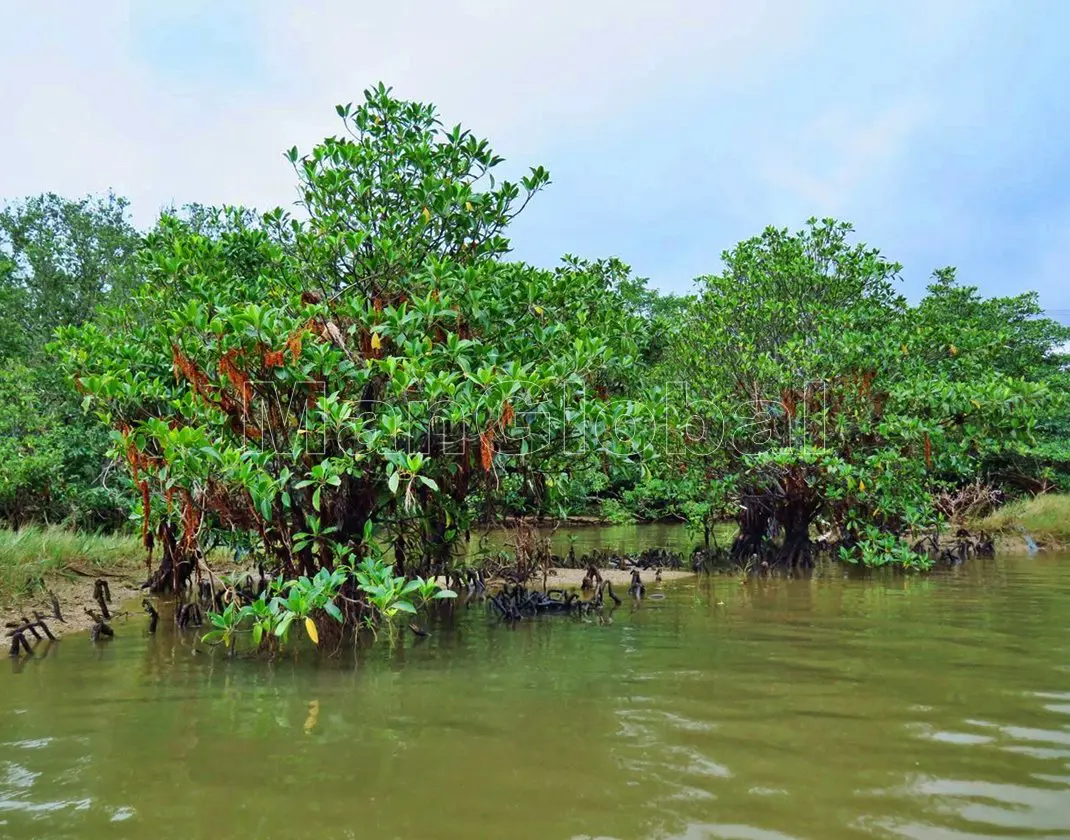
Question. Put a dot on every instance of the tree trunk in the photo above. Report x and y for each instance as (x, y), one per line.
(753, 521)
(794, 517)
(176, 564)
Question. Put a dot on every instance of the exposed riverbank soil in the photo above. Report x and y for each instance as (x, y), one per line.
(1014, 544)
(75, 595)
(572, 578)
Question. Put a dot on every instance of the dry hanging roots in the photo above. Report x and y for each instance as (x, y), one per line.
(970, 502)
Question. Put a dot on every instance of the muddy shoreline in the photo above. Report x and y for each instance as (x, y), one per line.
(1006, 544)
(75, 596)
(572, 578)
(75, 592)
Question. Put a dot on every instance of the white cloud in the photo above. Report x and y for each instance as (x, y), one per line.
(524, 68)
(679, 126)
(89, 112)
(837, 156)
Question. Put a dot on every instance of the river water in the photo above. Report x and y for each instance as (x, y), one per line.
(899, 707)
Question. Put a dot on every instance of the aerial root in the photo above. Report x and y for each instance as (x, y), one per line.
(189, 615)
(17, 630)
(100, 629)
(102, 595)
(515, 602)
(154, 616)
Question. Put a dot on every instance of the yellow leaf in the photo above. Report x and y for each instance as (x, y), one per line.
(539, 310)
(861, 485)
(954, 350)
(427, 215)
(975, 404)
(310, 628)
(468, 206)
(376, 341)
(313, 716)
(903, 347)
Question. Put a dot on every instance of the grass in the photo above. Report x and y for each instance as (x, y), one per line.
(32, 553)
(1046, 518)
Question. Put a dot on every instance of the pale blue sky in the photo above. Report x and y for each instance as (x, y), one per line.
(671, 130)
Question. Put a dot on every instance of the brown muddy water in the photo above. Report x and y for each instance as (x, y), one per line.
(899, 707)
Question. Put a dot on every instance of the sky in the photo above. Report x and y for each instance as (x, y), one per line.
(671, 130)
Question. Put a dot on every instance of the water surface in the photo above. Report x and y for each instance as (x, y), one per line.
(902, 707)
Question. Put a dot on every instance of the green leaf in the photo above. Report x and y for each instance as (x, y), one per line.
(284, 624)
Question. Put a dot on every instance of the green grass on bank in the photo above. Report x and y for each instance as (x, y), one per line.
(1046, 518)
(29, 555)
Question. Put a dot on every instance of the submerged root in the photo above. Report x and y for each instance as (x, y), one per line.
(647, 560)
(514, 602)
(18, 630)
(100, 629)
(189, 615)
(154, 616)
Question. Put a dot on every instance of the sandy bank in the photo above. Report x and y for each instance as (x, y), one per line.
(75, 595)
(572, 578)
(1012, 544)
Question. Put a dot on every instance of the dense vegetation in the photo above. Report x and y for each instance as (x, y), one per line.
(291, 384)
(59, 261)
(846, 408)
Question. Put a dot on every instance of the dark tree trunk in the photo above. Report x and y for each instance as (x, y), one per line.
(356, 509)
(753, 521)
(399, 554)
(176, 564)
(794, 517)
